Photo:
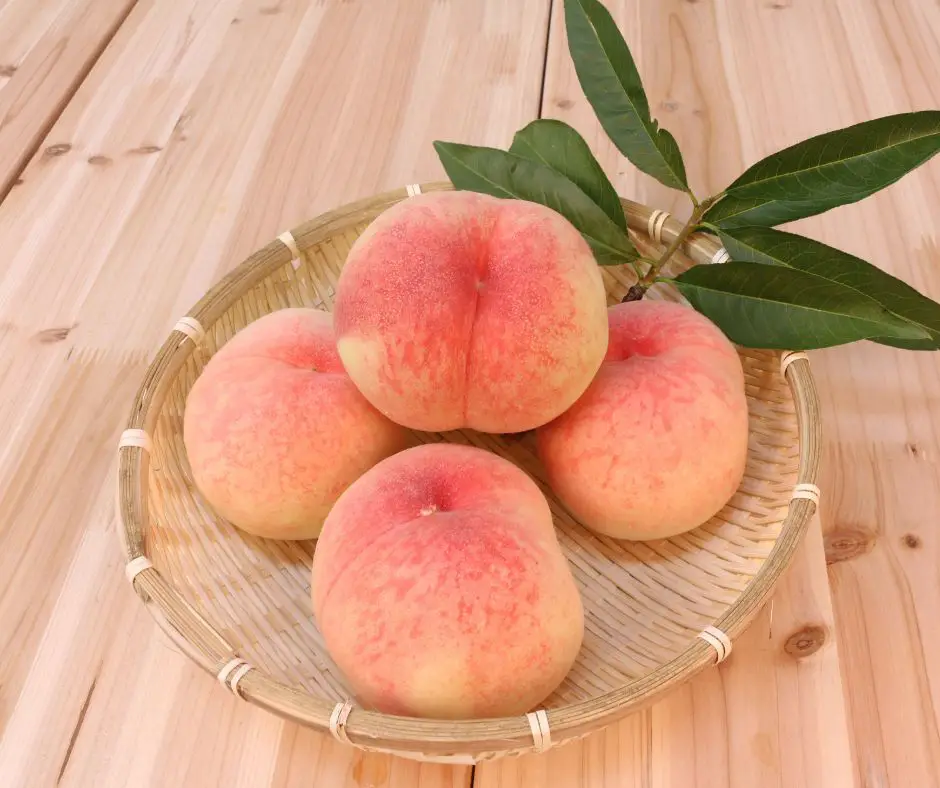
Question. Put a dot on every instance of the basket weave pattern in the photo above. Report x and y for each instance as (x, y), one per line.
(223, 595)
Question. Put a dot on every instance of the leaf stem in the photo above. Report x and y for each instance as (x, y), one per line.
(650, 277)
(684, 233)
(680, 239)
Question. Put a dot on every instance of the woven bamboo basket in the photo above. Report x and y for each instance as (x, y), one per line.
(656, 613)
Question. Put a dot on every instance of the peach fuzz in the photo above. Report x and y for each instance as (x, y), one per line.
(441, 590)
(456, 309)
(658, 443)
(275, 430)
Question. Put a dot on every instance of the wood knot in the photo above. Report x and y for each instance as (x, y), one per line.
(369, 772)
(669, 105)
(50, 335)
(59, 149)
(805, 642)
(846, 545)
(179, 128)
(100, 161)
(7, 71)
(564, 103)
(144, 149)
(912, 541)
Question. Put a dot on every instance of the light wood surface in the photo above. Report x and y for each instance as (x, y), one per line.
(205, 127)
(46, 49)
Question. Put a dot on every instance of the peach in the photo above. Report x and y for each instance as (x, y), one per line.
(456, 309)
(657, 444)
(275, 430)
(441, 590)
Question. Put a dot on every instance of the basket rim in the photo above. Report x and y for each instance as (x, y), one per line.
(367, 729)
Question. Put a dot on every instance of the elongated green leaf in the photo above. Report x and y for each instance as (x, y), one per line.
(775, 247)
(768, 306)
(831, 169)
(611, 82)
(503, 174)
(734, 211)
(557, 145)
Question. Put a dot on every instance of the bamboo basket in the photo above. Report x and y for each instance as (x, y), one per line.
(656, 613)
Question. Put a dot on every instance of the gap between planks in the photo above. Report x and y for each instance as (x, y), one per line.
(40, 133)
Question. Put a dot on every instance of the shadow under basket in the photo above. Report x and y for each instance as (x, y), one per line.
(656, 613)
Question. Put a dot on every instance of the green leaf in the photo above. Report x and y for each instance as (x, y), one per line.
(557, 145)
(733, 212)
(766, 306)
(611, 82)
(503, 174)
(775, 247)
(828, 170)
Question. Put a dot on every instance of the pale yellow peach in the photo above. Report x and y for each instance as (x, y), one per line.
(657, 444)
(441, 590)
(456, 309)
(275, 430)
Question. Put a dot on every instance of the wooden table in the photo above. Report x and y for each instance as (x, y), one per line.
(147, 146)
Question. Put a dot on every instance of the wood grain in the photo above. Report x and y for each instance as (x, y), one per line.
(879, 408)
(46, 50)
(774, 713)
(205, 128)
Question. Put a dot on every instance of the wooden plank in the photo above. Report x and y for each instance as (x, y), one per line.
(880, 406)
(882, 470)
(707, 68)
(46, 50)
(205, 128)
(157, 196)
